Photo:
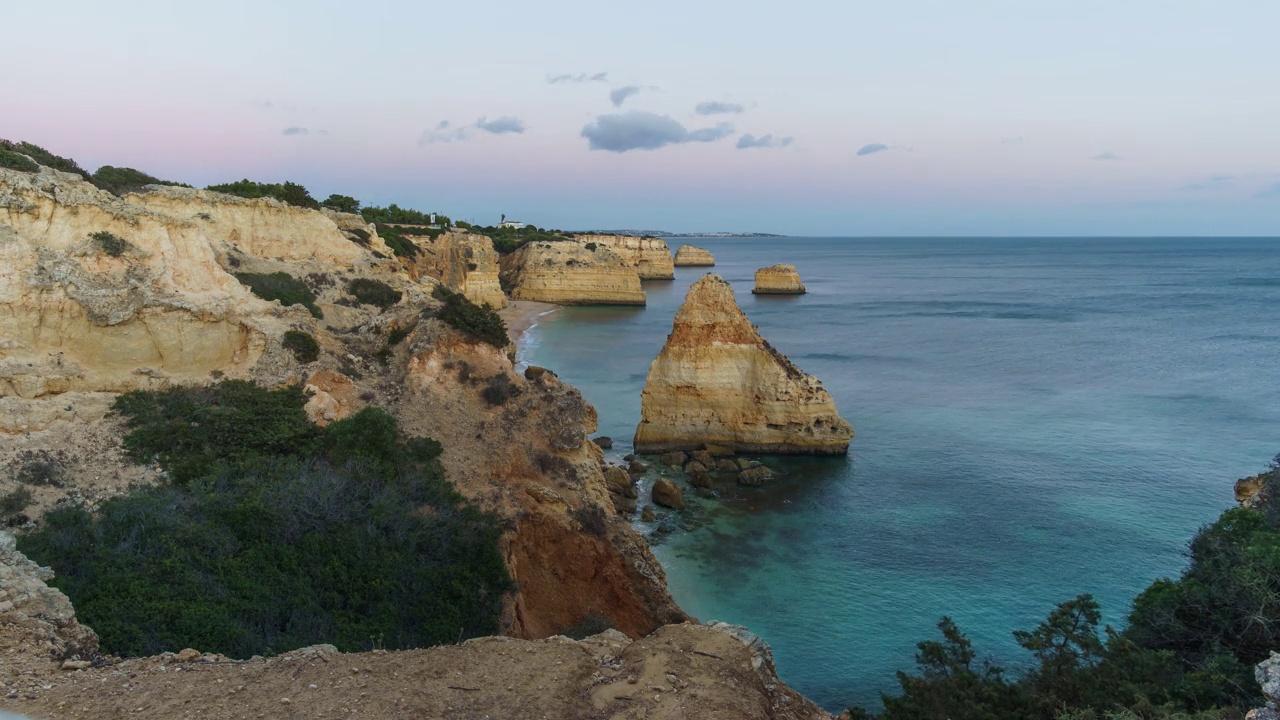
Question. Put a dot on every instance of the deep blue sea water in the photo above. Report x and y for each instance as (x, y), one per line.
(1036, 418)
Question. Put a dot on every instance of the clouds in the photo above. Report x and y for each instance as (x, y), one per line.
(638, 130)
(712, 107)
(1106, 155)
(872, 149)
(446, 132)
(575, 79)
(501, 126)
(295, 131)
(619, 95)
(749, 141)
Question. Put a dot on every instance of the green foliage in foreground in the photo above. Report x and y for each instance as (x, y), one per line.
(481, 322)
(282, 287)
(1188, 651)
(288, 192)
(120, 181)
(290, 536)
(373, 292)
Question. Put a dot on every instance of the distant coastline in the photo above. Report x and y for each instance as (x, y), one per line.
(668, 234)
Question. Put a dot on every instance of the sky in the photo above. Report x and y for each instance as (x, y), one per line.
(902, 117)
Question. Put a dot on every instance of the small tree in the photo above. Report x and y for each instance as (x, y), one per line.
(341, 203)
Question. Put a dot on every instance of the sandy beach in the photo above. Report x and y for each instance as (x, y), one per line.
(521, 315)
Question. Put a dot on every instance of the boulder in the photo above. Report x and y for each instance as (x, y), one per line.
(755, 476)
(638, 467)
(702, 456)
(647, 515)
(674, 459)
(695, 467)
(603, 442)
(778, 280)
(727, 466)
(700, 479)
(667, 494)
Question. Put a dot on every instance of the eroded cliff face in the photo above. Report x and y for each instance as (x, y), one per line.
(465, 263)
(649, 256)
(718, 381)
(158, 305)
(570, 273)
(778, 280)
(690, 256)
(37, 623)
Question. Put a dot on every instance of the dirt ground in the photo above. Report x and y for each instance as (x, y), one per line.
(679, 672)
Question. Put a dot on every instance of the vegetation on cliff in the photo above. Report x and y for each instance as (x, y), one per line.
(1188, 651)
(275, 534)
(481, 322)
(289, 192)
(281, 287)
(402, 216)
(122, 180)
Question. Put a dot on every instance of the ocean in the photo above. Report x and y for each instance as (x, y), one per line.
(1036, 418)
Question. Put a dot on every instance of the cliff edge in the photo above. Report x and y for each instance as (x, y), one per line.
(718, 381)
(648, 256)
(571, 273)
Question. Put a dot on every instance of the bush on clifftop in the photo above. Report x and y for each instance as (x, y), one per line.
(282, 535)
(120, 181)
(44, 157)
(288, 192)
(481, 322)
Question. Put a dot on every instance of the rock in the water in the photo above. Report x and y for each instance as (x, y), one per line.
(567, 273)
(755, 476)
(744, 463)
(603, 442)
(666, 494)
(647, 515)
(778, 280)
(648, 256)
(701, 479)
(690, 256)
(695, 467)
(718, 381)
(638, 467)
(727, 466)
(674, 459)
(619, 482)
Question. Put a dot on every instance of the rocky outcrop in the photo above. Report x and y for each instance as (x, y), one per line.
(668, 494)
(36, 620)
(648, 256)
(1267, 673)
(778, 280)
(690, 256)
(718, 381)
(709, 672)
(463, 262)
(570, 273)
(154, 302)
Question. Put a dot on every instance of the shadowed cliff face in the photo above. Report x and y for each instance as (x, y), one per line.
(718, 381)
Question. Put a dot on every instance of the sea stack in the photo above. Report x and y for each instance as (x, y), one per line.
(690, 256)
(570, 273)
(717, 381)
(778, 280)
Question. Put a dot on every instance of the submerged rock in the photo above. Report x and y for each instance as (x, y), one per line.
(718, 382)
(778, 280)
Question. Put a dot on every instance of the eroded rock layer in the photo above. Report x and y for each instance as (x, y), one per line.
(649, 256)
(464, 263)
(571, 273)
(690, 256)
(778, 280)
(717, 381)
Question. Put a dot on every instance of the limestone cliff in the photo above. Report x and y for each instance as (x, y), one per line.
(464, 262)
(570, 273)
(37, 622)
(649, 256)
(778, 280)
(690, 256)
(718, 381)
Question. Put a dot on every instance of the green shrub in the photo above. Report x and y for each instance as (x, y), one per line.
(373, 292)
(396, 239)
(15, 502)
(17, 161)
(109, 243)
(288, 192)
(194, 431)
(341, 203)
(395, 214)
(283, 288)
(591, 246)
(121, 181)
(305, 349)
(498, 390)
(44, 157)
(480, 322)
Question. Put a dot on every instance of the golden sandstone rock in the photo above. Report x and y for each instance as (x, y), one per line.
(571, 273)
(718, 381)
(463, 262)
(690, 256)
(778, 280)
(648, 256)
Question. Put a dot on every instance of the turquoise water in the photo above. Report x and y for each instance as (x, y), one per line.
(1036, 418)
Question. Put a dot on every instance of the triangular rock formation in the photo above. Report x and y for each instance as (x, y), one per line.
(718, 381)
